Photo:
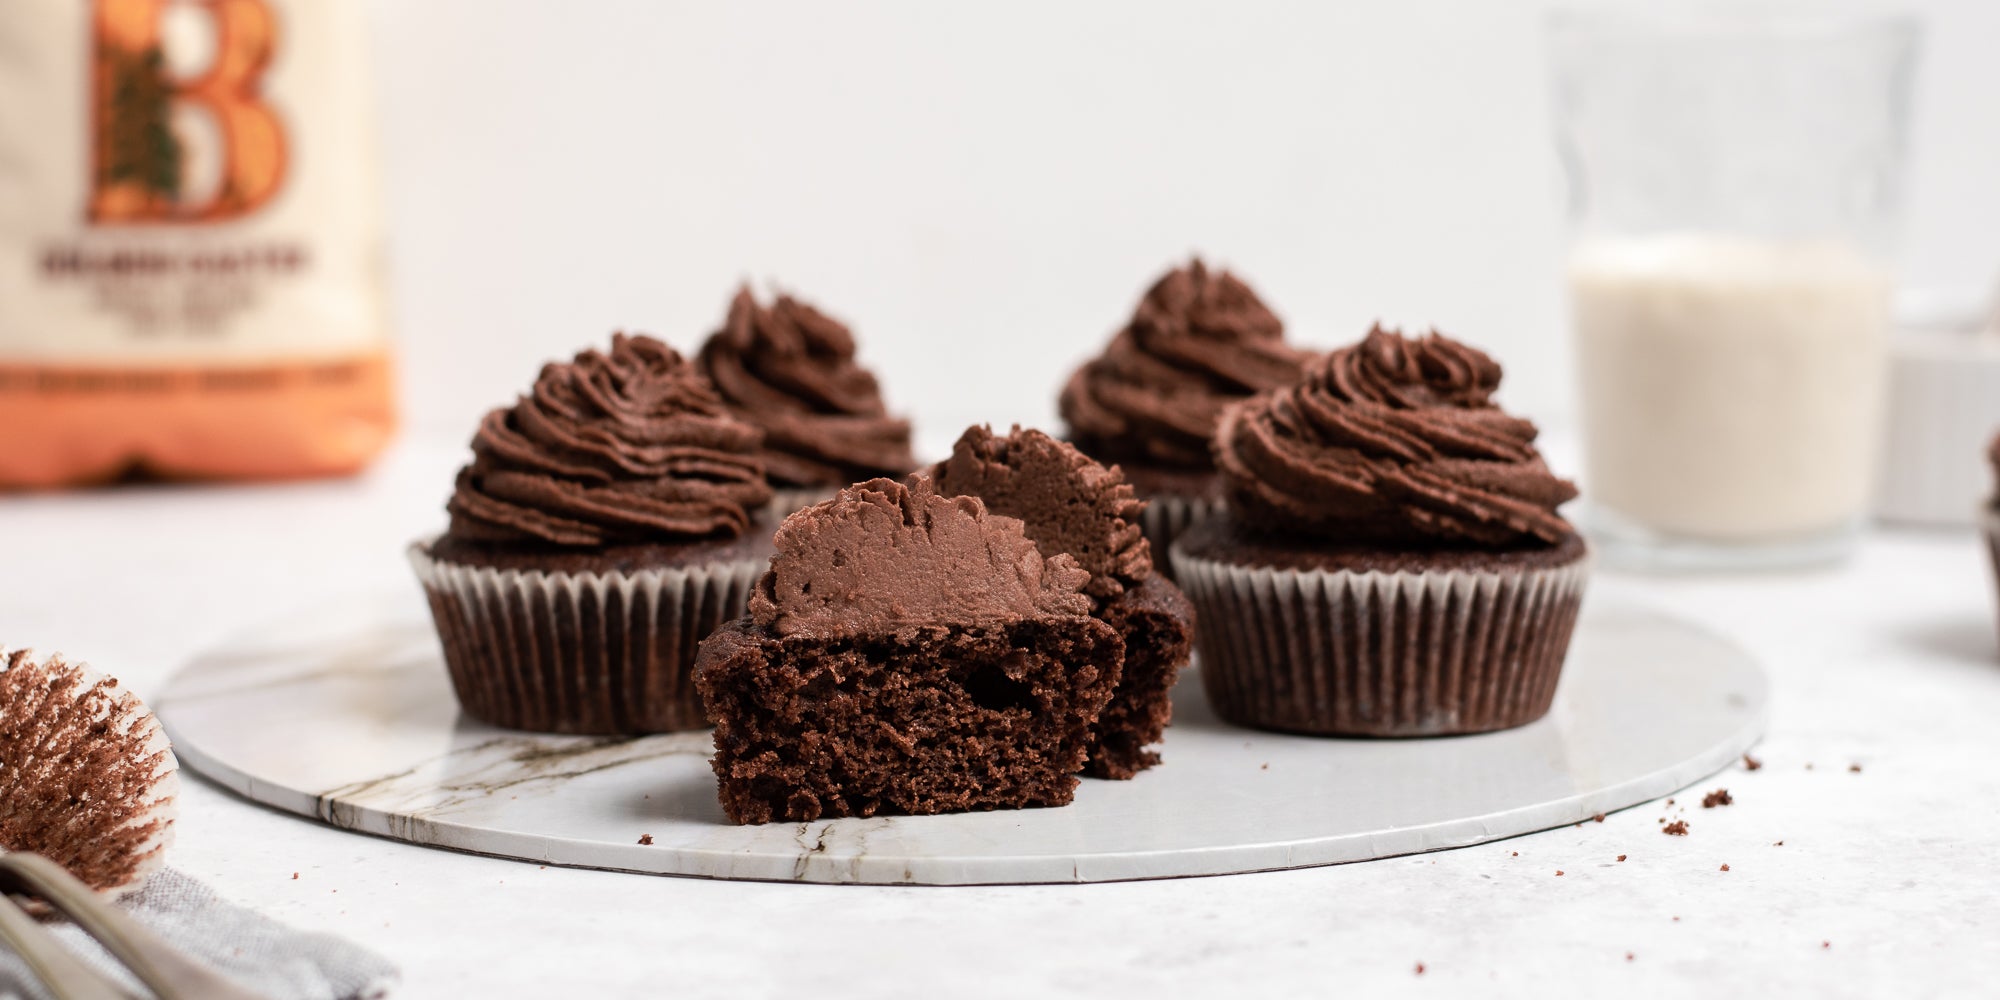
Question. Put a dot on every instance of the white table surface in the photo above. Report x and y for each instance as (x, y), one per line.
(1887, 882)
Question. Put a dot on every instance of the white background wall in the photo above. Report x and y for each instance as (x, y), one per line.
(983, 190)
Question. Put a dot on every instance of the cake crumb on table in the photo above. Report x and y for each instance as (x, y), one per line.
(645, 840)
(1621, 857)
(1677, 828)
(1825, 944)
(1559, 871)
(1854, 768)
(1628, 956)
(1420, 968)
(1599, 818)
(1725, 867)
(1778, 843)
(1751, 763)
(1719, 797)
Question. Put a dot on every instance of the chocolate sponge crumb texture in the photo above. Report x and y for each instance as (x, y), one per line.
(1069, 503)
(906, 652)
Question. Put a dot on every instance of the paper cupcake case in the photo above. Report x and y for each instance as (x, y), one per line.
(1382, 654)
(1990, 516)
(74, 723)
(1163, 520)
(583, 653)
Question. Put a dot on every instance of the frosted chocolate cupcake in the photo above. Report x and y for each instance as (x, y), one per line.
(1393, 563)
(1198, 341)
(790, 370)
(608, 521)
(1071, 504)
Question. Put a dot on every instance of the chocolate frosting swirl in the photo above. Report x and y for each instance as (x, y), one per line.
(627, 447)
(1067, 502)
(1198, 341)
(884, 556)
(1393, 441)
(790, 370)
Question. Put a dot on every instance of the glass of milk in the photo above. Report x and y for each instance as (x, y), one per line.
(1734, 189)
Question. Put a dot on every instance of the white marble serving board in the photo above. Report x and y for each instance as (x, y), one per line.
(345, 715)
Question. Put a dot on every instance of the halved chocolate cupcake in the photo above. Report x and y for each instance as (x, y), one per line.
(1069, 503)
(609, 520)
(906, 653)
(790, 370)
(1198, 341)
(1393, 563)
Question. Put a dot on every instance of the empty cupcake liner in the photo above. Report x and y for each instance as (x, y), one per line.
(1382, 654)
(74, 737)
(584, 653)
(1165, 517)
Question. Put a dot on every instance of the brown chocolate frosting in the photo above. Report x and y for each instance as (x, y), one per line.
(884, 556)
(1199, 341)
(628, 447)
(1393, 441)
(790, 370)
(1067, 502)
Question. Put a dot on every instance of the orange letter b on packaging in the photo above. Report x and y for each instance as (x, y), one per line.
(138, 158)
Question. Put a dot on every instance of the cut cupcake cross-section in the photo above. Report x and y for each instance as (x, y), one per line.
(1069, 503)
(906, 653)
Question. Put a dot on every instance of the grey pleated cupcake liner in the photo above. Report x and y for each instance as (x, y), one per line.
(1382, 654)
(1165, 517)
(1991, 518)
(582, 653)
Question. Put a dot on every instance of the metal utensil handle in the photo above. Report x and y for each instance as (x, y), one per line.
(168, 973)
(65, 975)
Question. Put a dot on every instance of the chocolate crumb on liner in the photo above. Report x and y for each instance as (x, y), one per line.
(1374, 653)
(88, 778)
(580, 652)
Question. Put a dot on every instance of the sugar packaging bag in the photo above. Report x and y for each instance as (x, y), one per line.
(190, 241)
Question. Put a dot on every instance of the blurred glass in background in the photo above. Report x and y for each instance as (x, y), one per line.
(1734, 198)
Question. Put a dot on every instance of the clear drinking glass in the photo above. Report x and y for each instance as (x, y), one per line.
(1734, 193)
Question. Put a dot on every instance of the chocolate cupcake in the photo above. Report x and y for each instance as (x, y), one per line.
(1071, 504)
(1393, 563)
(1199, 341)
(906, 653)
(609, 520)
(790, 370)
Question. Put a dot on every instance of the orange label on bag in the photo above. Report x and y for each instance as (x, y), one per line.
(191, 281)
